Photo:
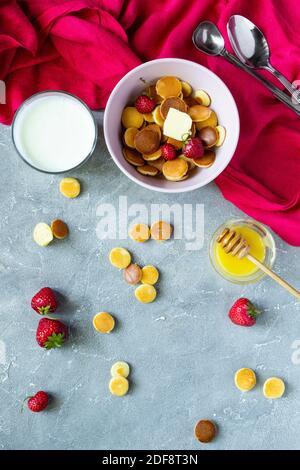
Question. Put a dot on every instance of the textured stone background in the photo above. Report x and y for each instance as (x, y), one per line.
(182, 348)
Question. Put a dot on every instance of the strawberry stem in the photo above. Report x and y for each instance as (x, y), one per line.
(185, 137)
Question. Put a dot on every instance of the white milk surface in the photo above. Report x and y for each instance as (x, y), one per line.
(54, 132)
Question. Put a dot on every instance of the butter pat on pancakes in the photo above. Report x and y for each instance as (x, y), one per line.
(177, 125)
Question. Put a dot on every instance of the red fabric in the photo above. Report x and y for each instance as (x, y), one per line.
(86, 46)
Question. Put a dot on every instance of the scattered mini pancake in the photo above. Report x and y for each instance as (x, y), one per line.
(202, 97)
(153, 156)
(172, 102)
(151, 91)
(145, 293)
(129, 136)
(69, 187)
(156, 128)
(207, 160)
(150, 275)
(221, 131)
(186, 89)
(42, 234)
(133, 157)
(147, 170)
(212, 121)
(103, 322)
(161, 231)
(132, 274)
(120, 369)
(147, 141)
(199, 112)
(209, 136)
(157, 117)
(118, 386)
(205, 431)
(120, 257)
(273, 388)
(148, 117)
(59, 229)
(158, 163)
(168, 86)
(139, 232)
(178, 144)
(245, 379)
(174, 170)
(131, 117)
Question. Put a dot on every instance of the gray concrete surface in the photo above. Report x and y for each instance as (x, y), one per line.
(182, 348)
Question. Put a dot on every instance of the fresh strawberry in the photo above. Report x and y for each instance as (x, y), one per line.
(144, 104)
(168, 151)
(38, 402)
(51, 333)
(44, 301)
(243, 312)
(193, 148)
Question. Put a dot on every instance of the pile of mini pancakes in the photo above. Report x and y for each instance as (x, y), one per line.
(143, 133)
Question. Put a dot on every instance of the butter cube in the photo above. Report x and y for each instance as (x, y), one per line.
(177, 124)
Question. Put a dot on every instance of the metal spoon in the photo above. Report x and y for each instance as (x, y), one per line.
(251, 47)
(208, 39)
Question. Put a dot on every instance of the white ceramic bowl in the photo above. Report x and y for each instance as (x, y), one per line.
(199, 77)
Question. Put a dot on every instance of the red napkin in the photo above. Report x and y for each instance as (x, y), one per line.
(86, 46)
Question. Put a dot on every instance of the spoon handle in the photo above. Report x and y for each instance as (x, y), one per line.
(284, 81)
(274, 276)
(276, 91)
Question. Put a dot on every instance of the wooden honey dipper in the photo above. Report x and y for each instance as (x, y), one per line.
(234, 244)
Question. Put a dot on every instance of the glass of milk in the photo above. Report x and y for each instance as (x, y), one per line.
(54, 131)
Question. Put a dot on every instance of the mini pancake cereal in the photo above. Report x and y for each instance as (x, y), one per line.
(129, 136)
(168, 86)
(174, 170)
(207, 160)
(69, 187)
(169, 112)
(148, 170)
(59, 229)
(150, 275)
(161, 231)
(205, 431)
(118, 386)
(120, 257)
(139, 232)
(103, 322)
(273, 388)
(120, 369)
(245, 379)
(132, 118)
(145, 293)
(133, 157)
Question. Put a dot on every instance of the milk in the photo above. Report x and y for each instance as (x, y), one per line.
(54, 131)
